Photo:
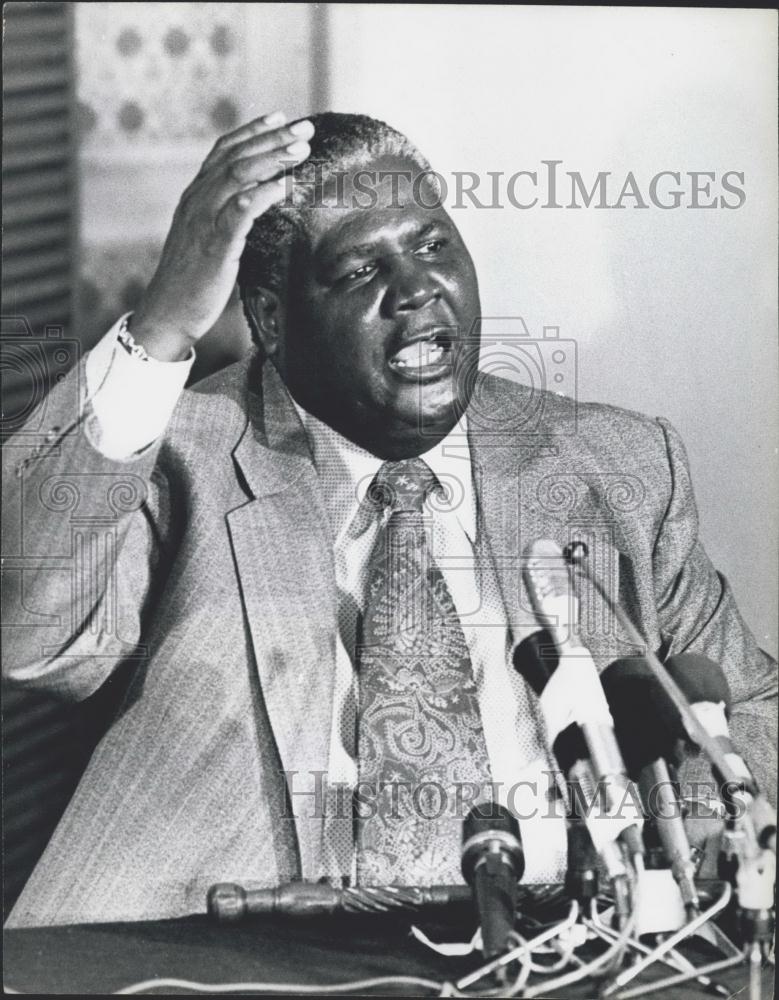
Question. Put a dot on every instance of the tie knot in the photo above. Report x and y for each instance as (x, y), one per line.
(403, 485)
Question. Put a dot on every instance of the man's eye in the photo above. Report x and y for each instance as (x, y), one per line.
(432, 246)
(360, 272)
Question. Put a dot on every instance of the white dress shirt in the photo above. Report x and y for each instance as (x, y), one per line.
(130, 403)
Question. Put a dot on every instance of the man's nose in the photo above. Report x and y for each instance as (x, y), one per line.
(411, 286)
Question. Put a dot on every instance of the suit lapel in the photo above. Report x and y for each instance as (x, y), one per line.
(505, 528)
(283, 554)
(532, 486)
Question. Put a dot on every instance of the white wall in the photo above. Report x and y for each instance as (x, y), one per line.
(674, 312)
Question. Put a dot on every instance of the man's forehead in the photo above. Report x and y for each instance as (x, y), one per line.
(333, 230)
(389, 193)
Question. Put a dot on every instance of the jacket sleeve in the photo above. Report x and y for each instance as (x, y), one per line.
(698, 613)
(79, 546)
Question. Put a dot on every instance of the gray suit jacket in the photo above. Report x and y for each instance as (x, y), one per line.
(207, 563)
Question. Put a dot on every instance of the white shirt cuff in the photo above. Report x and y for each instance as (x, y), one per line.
(129, 401)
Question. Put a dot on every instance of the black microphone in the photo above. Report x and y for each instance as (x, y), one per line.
(705, 686)
(493, 862)
(581, 875)
(646, 729)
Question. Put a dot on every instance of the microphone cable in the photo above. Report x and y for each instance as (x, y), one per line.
(291, 989)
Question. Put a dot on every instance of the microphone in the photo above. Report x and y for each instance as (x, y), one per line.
(590, 827)
(693, 678)
(641, 721)
(581, 877)
(748, 857)
(706, 688)
(573, 702)
(493, 862)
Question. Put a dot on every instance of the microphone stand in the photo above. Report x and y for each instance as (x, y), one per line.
(575, 554)
(753, 871)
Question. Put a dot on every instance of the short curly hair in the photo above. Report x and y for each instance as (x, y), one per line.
(341, 142)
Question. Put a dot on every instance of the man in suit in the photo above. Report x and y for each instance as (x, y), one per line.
(227, 549)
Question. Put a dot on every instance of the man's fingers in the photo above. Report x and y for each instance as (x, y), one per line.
(259, 136)
(262, 166)
(236, 216)
(243, 174)
(266, 142)
(258, 126)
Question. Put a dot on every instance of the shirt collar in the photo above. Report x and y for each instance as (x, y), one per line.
(346, 471)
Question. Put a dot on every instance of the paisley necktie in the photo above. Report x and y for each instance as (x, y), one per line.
(421, 750)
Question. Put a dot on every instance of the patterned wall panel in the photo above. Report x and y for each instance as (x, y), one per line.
(158, 72)
(157, 83)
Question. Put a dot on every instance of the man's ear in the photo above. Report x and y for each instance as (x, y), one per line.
(264, 308)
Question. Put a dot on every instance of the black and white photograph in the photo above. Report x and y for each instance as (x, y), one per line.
(390, 540)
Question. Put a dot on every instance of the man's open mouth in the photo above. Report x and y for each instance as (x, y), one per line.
(424, 357)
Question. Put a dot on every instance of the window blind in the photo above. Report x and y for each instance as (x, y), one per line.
(45, 743)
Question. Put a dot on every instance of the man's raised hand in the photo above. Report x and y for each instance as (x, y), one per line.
(239, 180)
